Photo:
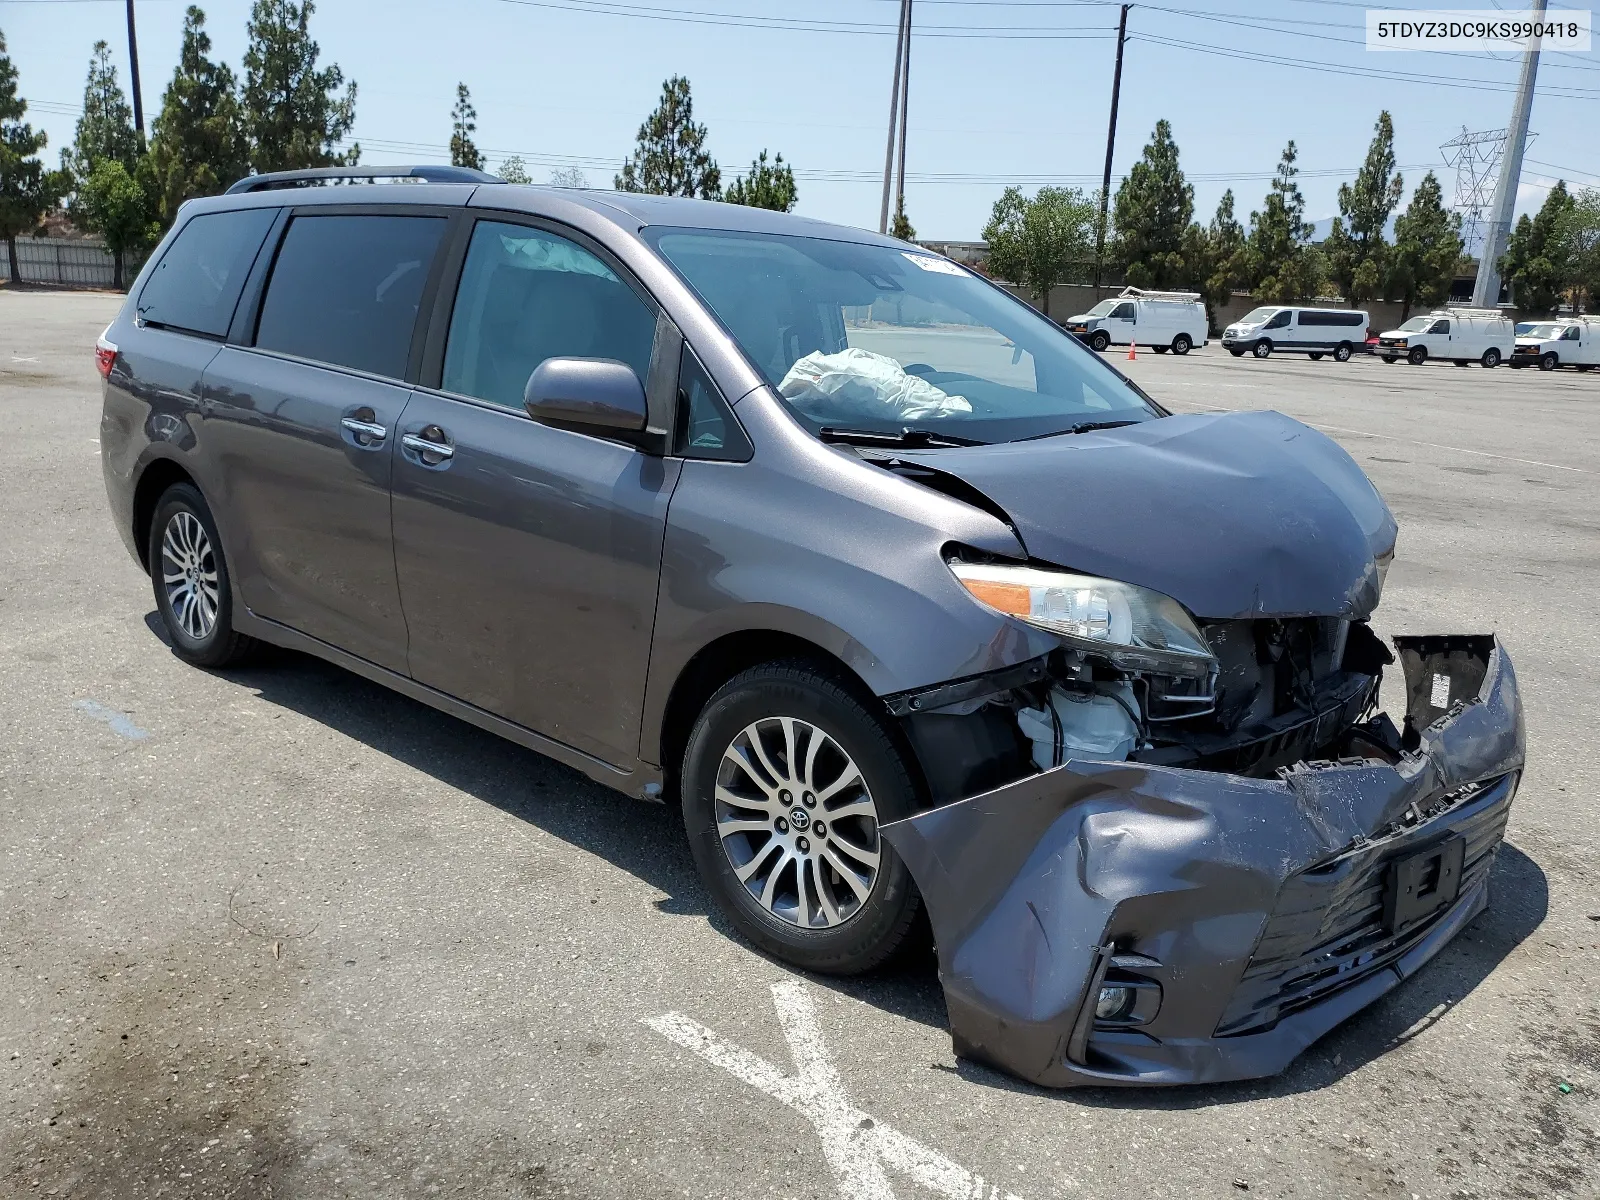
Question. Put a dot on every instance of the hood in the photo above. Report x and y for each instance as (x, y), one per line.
(1232, 514)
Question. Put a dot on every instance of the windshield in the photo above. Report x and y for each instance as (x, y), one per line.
(1416, 325)
(1256, 315)
(880, 339)
(1543, 332)
(1103, 309)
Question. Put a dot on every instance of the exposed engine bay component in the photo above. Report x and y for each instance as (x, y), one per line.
(1133, 923)
(1101, 724)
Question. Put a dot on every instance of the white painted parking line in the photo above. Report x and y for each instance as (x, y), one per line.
(119, 722)
(860, 1151)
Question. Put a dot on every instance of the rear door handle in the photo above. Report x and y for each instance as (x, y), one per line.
(426, 448)
(366, 433)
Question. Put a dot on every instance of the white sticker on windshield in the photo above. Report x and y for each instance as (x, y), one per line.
(1439, 697)
(939, 266)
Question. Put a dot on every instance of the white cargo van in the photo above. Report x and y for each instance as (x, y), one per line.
(1459, 335)
(1564, 342)
(1163, 321)
(1310, 331)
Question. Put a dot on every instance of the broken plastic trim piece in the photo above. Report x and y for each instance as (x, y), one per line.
(1026, 884)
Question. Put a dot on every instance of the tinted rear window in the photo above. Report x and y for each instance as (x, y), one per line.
(198, 280)
(345, 290)
(1333, 318)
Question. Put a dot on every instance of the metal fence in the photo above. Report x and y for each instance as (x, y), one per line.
(59, 262)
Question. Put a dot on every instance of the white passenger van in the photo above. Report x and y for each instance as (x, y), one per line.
(1564, 342)
(1163, 321)
(1310, 331)
(1460, 335)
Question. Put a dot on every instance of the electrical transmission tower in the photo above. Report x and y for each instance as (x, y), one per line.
(1476, 158)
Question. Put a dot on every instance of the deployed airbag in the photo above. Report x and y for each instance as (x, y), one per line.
(859, 383)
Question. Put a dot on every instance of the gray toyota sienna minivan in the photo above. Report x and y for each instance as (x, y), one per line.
(909, 599)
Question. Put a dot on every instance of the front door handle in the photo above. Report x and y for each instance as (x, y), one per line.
(366, 433)
(432, 451)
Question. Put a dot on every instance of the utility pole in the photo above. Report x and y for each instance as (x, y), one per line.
(1486, 289)
(894, 115)
(133, 75)
(1111, 145)
(905, 113)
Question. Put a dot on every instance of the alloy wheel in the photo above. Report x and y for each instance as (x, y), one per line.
(189, 573)
(797, 821)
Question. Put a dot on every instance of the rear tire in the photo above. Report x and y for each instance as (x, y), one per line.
(1099, 340)
(1261, 349)
(1315, 355)
(194, 592)
(1159, 349)
(1237, 353)
(1182, 344)
(1342, 352)
(1417, 355)
(1491, 358)
(1389, 358)
(795, 901)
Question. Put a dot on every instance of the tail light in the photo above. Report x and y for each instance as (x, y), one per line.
(105, 356)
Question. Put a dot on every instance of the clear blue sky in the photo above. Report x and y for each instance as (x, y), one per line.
(1002, 91)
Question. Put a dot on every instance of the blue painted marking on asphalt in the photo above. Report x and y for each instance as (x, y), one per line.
(119, 722)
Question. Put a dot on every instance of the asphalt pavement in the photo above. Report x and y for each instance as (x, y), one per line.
(279, 932)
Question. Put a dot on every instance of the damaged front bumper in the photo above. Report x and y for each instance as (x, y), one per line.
(1242, 918)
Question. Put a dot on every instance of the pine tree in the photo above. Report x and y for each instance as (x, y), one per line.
(1356, 248)
(198, 146)
(901, 227)
(1427, 248)
(1151, 212)
(293, 113)
(24, 184)
(105, 130)
(1213, 256)
(1278, 265)
(769, 185)
(670, 158)
(463, 124)
(1534, 262)
(1037, 242)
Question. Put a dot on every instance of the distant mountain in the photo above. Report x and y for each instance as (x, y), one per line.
(1323, 227)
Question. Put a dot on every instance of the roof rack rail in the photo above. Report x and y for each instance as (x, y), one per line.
(1146, 294)
(1467, 310)
(313, 176)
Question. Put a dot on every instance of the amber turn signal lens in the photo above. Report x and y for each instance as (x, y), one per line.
(1010, 598)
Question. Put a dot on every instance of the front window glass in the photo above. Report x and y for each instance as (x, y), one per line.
(1256, 315)
(1103, 309)
(1415, 325)
(882, 339)
(527, 295)
(1542, 332)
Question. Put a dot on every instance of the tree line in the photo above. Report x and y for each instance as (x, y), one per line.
(212, 128)
(1154, 239)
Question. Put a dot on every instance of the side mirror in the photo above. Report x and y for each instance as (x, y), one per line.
(599, 395)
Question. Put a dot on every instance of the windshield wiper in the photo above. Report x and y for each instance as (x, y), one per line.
(910, 439)
(1080, 427)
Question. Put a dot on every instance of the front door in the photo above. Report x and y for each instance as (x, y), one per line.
(303, 424)
(528, 556)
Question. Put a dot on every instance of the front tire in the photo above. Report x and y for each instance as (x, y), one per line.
(1099, 340)
(1417, 355)
(1548, 361)
(194, 592)
(1182, 344)
(779, 751)
(1262, 348)
(1491, 357)
(1237, 353)
(1315, 356)
(1389, 358)
(1341, 352)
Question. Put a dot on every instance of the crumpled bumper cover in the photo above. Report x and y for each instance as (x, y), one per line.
(1254, 914)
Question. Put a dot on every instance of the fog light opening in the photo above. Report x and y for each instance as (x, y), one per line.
(1114, 1003)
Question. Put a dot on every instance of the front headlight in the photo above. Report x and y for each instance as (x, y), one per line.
(1131, 626)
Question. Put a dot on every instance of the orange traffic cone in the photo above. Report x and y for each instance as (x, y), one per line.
(1131, 355)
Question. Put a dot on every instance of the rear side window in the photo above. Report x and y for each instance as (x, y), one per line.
(1332, 318)
(345, 290)
(197, 282)
(527, 295)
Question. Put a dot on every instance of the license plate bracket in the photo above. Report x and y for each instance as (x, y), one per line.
(1422, 883)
